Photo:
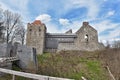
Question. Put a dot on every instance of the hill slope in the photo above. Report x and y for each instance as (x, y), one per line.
(111, 58)
(73, 64)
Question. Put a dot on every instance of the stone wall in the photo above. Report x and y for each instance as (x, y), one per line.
(86, 38)
(67, 46)
(36, 36)
(86, 34)
(27, 57)
(82, 47)
(51, 50)
(53, 40)
(5, 52)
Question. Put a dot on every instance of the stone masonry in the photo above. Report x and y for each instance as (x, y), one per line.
(86, 38)
(27, 59)
(36, 36)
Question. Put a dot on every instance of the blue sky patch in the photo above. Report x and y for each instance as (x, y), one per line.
(61, 15)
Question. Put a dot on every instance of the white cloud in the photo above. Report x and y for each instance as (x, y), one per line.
(64, 6)
(91, 5)
(105, 25)
(51, 27)
(49, 22)
(17, 6)
(100, 27)
(44, 18)
(64, 22)
(111, 13)
(75, 25)
(4, 6)
(114, 33)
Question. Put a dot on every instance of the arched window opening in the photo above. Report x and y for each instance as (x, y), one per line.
(39, 29)
(30, 29)
(86, 37)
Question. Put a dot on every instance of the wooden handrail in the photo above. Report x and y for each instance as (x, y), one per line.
(30, 75)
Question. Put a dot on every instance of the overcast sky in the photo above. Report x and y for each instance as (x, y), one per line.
(62, 15)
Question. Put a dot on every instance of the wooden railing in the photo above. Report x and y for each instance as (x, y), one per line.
(8, 59)
(30, 75)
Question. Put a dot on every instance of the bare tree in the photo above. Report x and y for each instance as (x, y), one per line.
(1, 25)
(1, 29)
(20, 32)
(11, 22)
(107, 44)
(22, 35)
(116, 44)
(1, 13)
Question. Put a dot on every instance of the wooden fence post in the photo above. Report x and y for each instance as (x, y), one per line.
(13, 77)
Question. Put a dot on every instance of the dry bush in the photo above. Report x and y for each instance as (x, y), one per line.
(72, 64)
(111, 58)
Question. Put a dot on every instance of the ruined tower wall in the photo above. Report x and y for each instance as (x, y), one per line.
(36, 36)
(87, 38)
(87, 34)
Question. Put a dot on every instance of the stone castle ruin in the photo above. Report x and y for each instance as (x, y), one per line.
(20, 55)
(86, 38)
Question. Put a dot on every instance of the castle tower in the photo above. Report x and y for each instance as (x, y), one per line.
(87, 34)
(36, 36)
(87, 37)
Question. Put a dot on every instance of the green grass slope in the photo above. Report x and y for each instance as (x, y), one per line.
(72, 64)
